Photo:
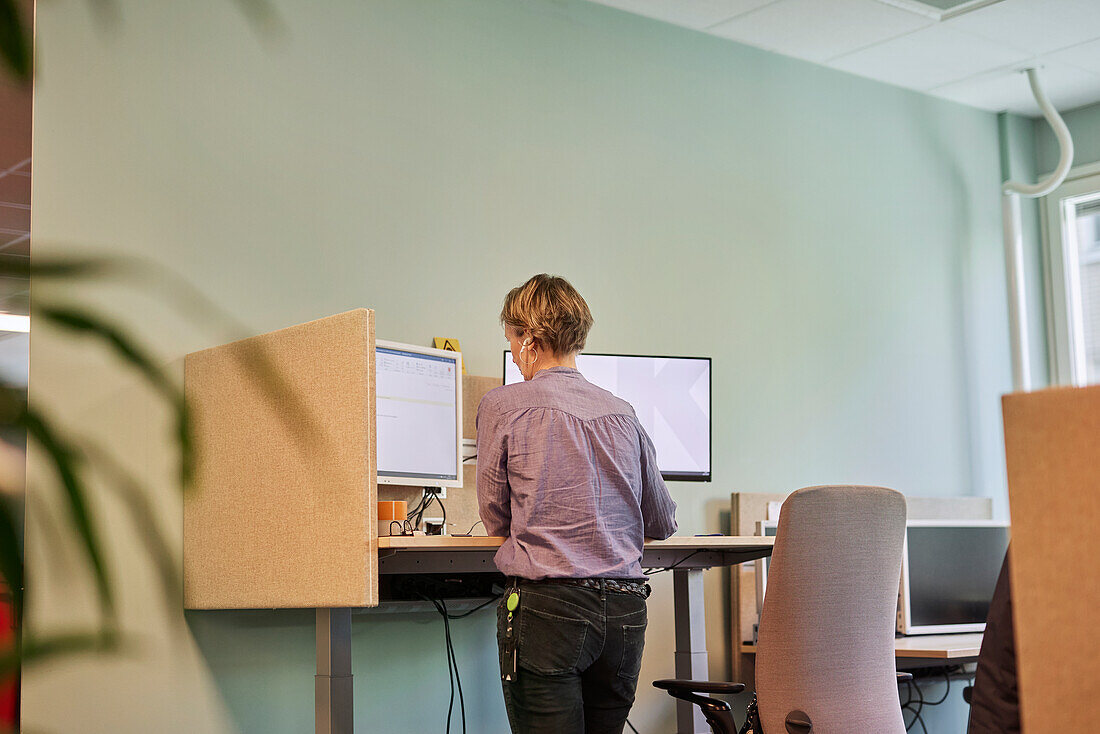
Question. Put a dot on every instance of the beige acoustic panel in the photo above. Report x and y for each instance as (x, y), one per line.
(462, 509)
(746, 508)
(1052, 446)
(284, 437)
(473, 390)
(949, 508)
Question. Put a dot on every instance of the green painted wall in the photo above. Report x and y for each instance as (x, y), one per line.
(833, 243)
(1084, 126)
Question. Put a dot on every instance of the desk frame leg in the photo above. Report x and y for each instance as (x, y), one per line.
(691, 644)
(332, 692)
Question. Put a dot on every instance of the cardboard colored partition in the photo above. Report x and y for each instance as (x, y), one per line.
(473, 390)
(282, 512)
(1052, 444)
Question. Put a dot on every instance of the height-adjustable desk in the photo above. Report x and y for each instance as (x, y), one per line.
(687, 556)
(283, 514)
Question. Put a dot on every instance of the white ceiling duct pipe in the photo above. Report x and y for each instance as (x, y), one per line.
(1014, 246)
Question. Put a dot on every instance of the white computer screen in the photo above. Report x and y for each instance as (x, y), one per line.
(417, 405)
(671, 396)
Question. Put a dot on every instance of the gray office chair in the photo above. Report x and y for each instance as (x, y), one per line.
(825, 652)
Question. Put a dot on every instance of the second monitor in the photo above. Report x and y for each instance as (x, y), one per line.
(671, 396)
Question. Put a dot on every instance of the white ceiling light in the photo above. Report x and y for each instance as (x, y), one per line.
(14, 322)
(940, 9)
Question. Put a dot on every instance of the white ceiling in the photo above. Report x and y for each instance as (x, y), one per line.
(973, 58)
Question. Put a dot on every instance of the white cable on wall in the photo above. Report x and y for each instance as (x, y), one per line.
(1014, 246)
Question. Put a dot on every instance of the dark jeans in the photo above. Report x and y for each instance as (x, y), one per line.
(579, 653)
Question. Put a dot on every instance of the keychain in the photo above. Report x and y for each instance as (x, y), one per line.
(511, 604)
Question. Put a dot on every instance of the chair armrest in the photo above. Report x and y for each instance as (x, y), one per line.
(698, 686)
(904, 677)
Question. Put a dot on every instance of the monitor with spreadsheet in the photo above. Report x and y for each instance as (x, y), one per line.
(419, 415)
(670, 395)
(949, 570)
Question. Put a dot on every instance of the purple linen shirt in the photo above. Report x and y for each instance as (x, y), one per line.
(568, 475)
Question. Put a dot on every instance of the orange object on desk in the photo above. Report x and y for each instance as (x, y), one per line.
(391, 511)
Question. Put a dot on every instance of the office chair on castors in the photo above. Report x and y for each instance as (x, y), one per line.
(825, 651)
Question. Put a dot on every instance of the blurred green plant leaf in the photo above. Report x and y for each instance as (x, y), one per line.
(64, 460)
(139, 505)
(11, 560)
(15, 41)
(84, 322)
(35, 649)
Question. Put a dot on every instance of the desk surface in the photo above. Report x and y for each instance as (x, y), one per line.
(938, 647)
(676, 542)
(461, 554)
(947, 647)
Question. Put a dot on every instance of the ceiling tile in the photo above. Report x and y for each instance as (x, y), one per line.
(816, 31)
(697, 14)
(1033, 26)
(1008, 89)
(970, 58)
(1084, 56)
(927, 58)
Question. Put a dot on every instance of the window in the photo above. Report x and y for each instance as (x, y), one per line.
(1072, 214)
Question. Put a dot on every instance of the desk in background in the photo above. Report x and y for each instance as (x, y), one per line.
(922, 651)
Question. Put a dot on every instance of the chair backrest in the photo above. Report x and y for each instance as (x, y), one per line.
(826, 641)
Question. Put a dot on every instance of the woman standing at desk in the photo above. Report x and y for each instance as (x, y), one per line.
(569, 477)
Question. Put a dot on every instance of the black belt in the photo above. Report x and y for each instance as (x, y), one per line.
(620, 586)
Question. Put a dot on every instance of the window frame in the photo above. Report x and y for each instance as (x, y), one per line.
(1065, 322)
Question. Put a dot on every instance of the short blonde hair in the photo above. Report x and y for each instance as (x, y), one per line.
(551, 310)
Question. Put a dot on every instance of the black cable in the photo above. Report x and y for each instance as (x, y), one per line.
(472, 456)
(947, 679)
(450, 652)
(916, 718)
(909, 705)
(471, 611)
(443, 508)
(916, 702)
(918, 709)
(631, 726)
(454, 661)
(449, 649)
(468, 532)
(452, 658)
(417, 512)
(652, 571)
(430, 493)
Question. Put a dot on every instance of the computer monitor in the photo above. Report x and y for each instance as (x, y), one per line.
(419, 409)
(671, 396)
(949, 570)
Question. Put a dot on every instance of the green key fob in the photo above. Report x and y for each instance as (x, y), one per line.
(512, 602)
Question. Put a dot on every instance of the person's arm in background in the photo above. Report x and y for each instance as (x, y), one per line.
(493, 494)
(658, 509)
